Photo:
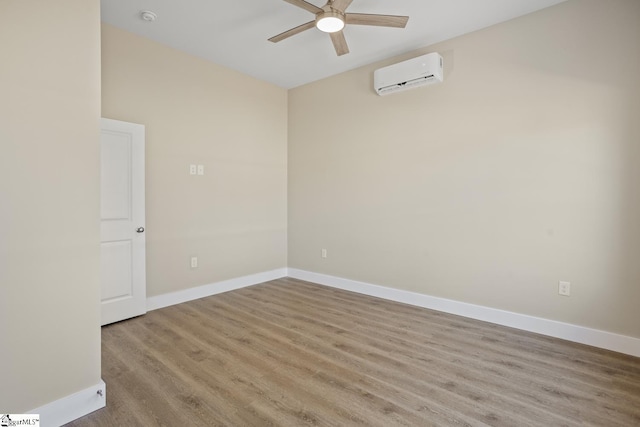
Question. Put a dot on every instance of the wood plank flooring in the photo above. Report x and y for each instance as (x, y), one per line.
(290, 353)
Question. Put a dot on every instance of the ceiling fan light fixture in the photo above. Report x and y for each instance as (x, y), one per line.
(329, 22)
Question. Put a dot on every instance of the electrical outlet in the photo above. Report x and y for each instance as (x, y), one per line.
(564, 288)
(324, 253)
(192, 169)
(194, 262)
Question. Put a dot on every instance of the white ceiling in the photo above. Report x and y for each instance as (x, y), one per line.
(234, 33)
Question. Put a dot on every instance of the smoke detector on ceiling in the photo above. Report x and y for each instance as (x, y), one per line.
(148, 16)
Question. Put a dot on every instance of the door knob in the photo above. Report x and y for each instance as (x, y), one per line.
(140, 230)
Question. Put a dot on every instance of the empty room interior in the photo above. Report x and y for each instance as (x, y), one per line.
(216, 214)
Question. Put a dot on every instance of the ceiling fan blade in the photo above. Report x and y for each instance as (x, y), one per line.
(377, 20)
(304, 5)
(341, 5)
(339, 43)
(293, 32)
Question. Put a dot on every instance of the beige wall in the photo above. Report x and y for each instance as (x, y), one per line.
(519, 171)
(49, 207)
(196, 112)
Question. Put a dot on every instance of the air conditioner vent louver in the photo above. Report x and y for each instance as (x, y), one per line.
(420, 71)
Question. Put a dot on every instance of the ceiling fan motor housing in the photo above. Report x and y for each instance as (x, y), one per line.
(330, 21)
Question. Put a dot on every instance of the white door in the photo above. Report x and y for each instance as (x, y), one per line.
(122, 255)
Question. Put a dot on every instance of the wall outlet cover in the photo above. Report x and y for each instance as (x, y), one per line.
(564, 288)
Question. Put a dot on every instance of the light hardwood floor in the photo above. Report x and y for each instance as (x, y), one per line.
(292, 353)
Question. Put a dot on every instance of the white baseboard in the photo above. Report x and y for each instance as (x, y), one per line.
(594, 337)
(172, 298)
(72, 407)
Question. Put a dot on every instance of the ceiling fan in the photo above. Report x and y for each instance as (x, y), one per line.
(331, 18)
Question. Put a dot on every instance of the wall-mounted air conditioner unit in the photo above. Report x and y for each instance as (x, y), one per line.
(420, 71)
